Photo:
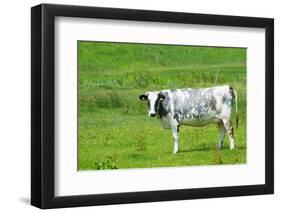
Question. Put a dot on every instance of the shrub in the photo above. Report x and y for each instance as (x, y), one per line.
(107, 99)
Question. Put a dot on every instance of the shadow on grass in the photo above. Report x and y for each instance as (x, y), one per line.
(203, 149)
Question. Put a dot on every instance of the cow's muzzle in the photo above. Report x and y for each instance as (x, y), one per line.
(152, 114)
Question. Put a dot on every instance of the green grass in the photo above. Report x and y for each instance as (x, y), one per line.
(114, 129)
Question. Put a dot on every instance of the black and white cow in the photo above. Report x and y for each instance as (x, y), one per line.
(193, 107)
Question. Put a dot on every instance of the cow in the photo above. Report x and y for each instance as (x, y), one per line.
(194, 107)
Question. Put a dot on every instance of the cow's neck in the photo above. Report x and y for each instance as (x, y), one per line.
(162, 111)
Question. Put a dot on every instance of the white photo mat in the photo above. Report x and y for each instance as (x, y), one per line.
(69, 181)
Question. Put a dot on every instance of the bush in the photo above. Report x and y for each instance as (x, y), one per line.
(107, 99)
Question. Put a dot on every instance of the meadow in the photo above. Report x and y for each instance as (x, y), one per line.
(114, 131)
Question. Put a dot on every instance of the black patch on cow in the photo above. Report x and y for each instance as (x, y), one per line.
(157, 105)
(148, 103)
(163, 108)
(178, 128)
(224, 98)
(158, 108)
(176, 116)
(162, 111)
(227, 98)
(231, 90)
(199, 110)
(213, 103)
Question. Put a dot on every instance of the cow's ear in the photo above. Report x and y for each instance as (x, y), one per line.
(143, 97)
(161, 97)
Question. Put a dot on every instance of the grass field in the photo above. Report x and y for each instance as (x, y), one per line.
(114, 129)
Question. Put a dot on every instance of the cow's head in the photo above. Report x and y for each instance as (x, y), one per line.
(153, 101)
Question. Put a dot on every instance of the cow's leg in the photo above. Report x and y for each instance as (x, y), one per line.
(229, 128)
(222, 134)
(175, 129)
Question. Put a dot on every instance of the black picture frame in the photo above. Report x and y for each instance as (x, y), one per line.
(43, 105)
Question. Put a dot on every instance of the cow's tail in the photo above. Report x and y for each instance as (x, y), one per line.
(236, 108)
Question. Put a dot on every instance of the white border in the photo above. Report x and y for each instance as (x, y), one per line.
(70, 182)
